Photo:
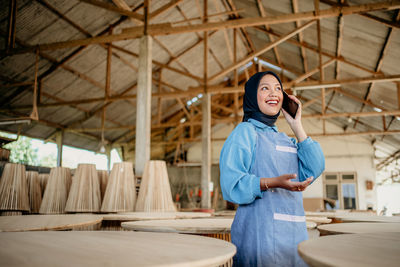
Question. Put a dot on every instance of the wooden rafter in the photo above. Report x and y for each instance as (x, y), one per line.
(171, 4)
(379, 63)
(165, 29)
(343, 3)
(270, 36)
(260, 51)
(12, 16)
(300, 37)
(219, 89)
(113, 8)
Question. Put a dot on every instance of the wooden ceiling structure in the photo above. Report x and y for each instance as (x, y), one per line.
(71, 67)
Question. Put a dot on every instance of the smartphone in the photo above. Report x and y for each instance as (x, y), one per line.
(289, 105)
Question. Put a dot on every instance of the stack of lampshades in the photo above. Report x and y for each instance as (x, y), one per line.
(88, 191)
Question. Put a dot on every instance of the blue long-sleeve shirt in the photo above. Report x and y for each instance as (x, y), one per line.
(238, 185)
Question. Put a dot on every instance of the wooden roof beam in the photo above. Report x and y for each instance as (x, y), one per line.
(270, 36)
(260, 52)
(165, 29)
(115, 9)
(379, 63)
(220, 89)
(300, 37)
(343, 3)
(164, 8)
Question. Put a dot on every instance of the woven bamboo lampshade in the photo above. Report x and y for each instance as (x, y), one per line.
(56, 193)
(120, 194)
(84, 195)
(34, 191)
(14, 189)
(155, 191)
(43, 178)
(103, 179)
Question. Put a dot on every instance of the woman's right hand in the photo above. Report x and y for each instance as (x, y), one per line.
(285, 182)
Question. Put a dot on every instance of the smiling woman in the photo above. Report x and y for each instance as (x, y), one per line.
(264, 171)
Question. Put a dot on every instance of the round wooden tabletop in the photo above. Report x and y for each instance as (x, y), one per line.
(187, 226)
(358, 228)
(373, 249)
(144, 216)
(367, 218)
(97, 248)
(46, 222)
(318, 220)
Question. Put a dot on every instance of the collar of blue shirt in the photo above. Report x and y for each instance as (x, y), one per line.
(263, 126)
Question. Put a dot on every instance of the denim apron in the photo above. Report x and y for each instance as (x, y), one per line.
(267, 231)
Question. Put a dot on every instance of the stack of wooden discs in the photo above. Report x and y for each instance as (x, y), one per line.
(84, 195)
(13, 190)
(43, 178)
(103, 179)
(120, 195)
(35, 192)
(56, 193)
(155, 191)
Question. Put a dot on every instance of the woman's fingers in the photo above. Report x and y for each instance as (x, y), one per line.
(301, 186)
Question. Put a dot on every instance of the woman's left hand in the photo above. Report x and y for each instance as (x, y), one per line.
(290, 119)
(295, 123)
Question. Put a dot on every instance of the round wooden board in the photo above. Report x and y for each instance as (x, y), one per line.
(187, 226)
(144, 216)
(376, 249)
(358, 228)
(318, 220)
(367, 218)
(46, 222)
(326, 214)
(97, 248)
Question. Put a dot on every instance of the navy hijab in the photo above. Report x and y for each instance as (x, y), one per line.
(250, 104)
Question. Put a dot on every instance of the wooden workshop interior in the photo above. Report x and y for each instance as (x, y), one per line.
(162, 83)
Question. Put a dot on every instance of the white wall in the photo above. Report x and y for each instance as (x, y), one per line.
(342, 154)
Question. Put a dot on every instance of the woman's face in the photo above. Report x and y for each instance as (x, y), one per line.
(269, 95)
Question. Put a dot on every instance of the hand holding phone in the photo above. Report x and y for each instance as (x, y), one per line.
(289, 105)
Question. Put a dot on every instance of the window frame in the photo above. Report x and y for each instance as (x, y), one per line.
(338, 182)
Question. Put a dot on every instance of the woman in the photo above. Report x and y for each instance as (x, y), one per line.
(264, 171)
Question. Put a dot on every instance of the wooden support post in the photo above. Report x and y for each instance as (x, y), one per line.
(108, 154)
(108, 72)
(398, 94)
(59, 141)
(236, 77)
(206, 128)
(159, 100)
(143, 103)
(12, 15)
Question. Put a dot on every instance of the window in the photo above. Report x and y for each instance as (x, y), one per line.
(341, 187)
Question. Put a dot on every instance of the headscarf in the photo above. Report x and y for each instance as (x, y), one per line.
(250, 104)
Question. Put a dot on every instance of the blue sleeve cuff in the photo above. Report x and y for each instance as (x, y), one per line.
(306, 142)
(256, 187)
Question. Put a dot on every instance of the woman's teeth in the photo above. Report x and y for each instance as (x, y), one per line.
(272, 102)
